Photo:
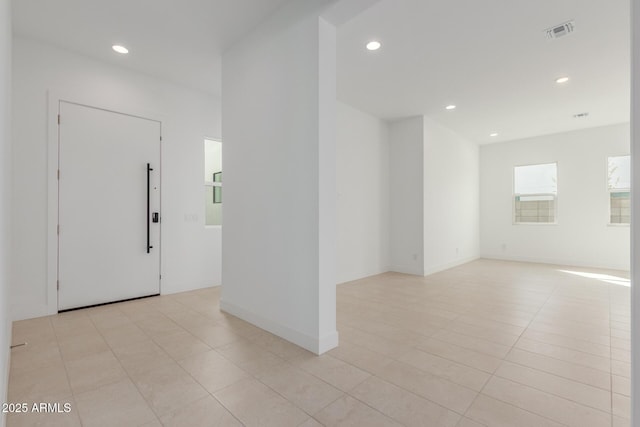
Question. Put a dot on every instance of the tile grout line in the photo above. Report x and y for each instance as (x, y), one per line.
(250, 375)
(504, 359)
(123, 368)
(66, 371)
(558, 375)
(177, 362)
(559, 291)
(610, 391)
(195, 379)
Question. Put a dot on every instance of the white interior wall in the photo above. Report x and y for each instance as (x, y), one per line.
(327, 201)
(406, 163)
(362, 144)
(581, 236)
(212, 165)
(5, 196)
(635, 215)
(188, 248)
(278, 101)
(451, 198)
(213, 159)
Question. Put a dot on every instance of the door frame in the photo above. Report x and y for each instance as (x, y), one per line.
(53, 156)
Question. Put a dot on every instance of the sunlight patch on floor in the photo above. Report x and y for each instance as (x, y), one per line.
(607, 278)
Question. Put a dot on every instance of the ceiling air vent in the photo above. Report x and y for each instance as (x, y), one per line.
(560, 30)
(581, 116)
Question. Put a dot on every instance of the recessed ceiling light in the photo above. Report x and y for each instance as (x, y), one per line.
(120, 49)
(562, 80)
(374, 45)
(450, 107)
(493, 134)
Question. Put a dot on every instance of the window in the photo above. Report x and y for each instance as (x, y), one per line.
(213, 182)
(535, 194)
(619, 184)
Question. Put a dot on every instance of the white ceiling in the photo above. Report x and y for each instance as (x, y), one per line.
(488, 57)
(178, 40)
(492, 60)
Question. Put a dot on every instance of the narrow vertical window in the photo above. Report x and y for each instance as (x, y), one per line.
(619, 185)
(535, 194)
(213, 182)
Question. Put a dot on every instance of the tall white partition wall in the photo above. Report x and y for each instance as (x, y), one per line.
(406, 152)
(278, 128)
(5, 194)
(635, 212)
(451, 198)
(431, 168)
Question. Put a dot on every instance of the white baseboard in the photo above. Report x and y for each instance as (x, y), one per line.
(170, 290)
(405, 269)
(441, 267)
(555, 261)
(22, 310)
(416, 271)
(326, 343)
(366, 273)
(317, 345)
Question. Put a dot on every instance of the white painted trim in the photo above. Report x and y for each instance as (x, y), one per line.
(327, 342)
(448, 265)
(368, 273)
(428, 272)
(553, 261)
(54, 98)
(23, 310)
(317, 345)
(192, 287)
(416, 271)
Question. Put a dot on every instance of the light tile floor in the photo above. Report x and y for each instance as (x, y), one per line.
(488, 343)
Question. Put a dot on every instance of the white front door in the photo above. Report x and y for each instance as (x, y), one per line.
(108, 242)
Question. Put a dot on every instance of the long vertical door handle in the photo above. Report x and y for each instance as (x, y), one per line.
(149, 169)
